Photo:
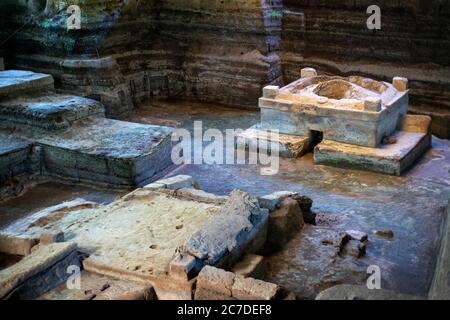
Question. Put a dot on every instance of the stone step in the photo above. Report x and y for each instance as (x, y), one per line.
(394, 159)
(104, 151)
(14, 157)
(50, 112)
(14, 83)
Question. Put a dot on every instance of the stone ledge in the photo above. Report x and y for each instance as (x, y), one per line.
(16, 82)
(289, 146)
(42, 259)
(393, 159)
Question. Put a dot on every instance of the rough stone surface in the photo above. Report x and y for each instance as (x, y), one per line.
(223, 239)
(214, 284)
(51, 236)
(14, 157)
(284, 223)
(392, 159)
(184, 267)
(253, 289)
(287, 146)
(273, 200)
(218, 284)
(357, 235)
(45, 257)
(354, 248)
(51, 112)
(16, 82)
(98, 287)
(105, 151)
(16, 244)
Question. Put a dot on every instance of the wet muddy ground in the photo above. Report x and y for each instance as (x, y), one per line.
(411, 206)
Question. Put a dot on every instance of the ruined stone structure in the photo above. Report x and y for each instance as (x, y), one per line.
(88, 184)
(48, 133)
(363, 122)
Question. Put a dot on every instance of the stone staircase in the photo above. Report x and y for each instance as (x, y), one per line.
(68, 136)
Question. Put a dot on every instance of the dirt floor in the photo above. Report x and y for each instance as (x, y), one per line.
(412, 206)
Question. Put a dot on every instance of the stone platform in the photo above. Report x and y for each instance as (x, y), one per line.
(51, 112)
(391, 159)
(14, 83)
(103, 150)
(148, 235)
(73, 139)
(408, 145)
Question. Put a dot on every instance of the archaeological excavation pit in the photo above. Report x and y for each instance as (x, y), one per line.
(122, 130)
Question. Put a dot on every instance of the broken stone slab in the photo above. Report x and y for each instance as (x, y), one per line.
(305, 204)
(51, 236)
(166, 287)
(357, 292)
(17, 244)
(308, 72)
(273, 200)
(43, 269)
(184, 267)
(260, 140)
(393, 159)
(214, 284)
(49, 111)
(218, 284)
(251, 265)
(254, 289)
(173, 183)
(228, 234)
(284, 223)
(14, 83)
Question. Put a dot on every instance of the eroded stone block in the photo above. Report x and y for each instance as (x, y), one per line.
(51, 236)
(253, 289)
(224, 238)
(214, 284)
(16, 244)
(400, 83)
(184, 267)
(284, 223)
(308, 73)
(272, 201)
(372, 104)
(270, 92)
